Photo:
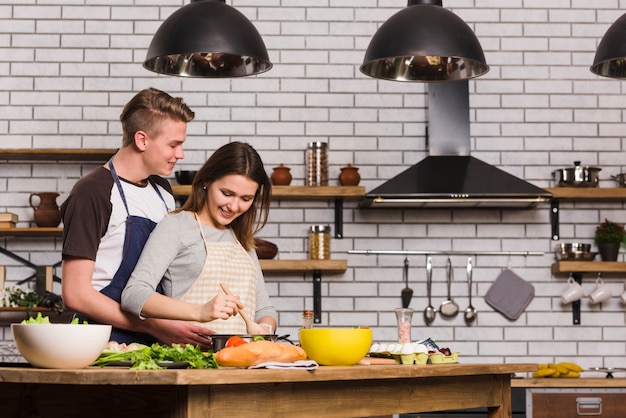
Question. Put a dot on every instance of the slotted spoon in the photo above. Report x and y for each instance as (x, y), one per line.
(449, 308)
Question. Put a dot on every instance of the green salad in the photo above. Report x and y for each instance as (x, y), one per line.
(151, 357)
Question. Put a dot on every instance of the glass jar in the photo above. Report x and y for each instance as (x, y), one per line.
(319, 242)
(307, 319)
(316, 163)
(404, 317)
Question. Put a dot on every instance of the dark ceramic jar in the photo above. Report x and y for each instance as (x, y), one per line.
(349, 176)
(281, 176)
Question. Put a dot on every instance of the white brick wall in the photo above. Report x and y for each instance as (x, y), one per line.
(66, 69)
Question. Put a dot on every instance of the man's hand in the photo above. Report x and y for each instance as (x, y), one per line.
(180, 332)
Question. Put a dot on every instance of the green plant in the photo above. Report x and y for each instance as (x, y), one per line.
(609, 231)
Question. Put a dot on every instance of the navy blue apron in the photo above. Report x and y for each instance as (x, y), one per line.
(138, 229)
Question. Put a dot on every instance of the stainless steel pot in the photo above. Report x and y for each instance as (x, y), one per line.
(219, 340)
(577, 176)
(620, 179)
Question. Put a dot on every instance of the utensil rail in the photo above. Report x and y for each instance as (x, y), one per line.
(430, 252)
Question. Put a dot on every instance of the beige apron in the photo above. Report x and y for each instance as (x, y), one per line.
(228, 263)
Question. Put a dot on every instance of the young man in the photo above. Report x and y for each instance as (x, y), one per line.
(110, 213)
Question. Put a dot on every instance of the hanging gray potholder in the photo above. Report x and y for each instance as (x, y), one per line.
(510, 294)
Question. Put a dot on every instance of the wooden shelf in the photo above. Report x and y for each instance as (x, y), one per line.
(43, 154)
(31, 232)
(566, 267)
(297, 192)
(328, 266)
(588, 193)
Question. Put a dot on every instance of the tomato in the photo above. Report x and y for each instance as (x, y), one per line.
(235, 341)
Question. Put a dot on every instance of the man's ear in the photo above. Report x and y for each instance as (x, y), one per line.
(140, 140)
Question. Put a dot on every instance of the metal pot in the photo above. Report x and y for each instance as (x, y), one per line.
(577, 176)
(620, 179)
(219, 340)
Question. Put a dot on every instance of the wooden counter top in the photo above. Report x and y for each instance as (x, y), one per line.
(581, 382)
(124, 376)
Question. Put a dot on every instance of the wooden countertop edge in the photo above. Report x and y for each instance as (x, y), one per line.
(123, 376)
(581, 382)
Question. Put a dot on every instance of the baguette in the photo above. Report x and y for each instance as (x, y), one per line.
(257, 352)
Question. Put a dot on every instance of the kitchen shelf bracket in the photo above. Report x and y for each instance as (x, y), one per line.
(317, 296)
(554, 219)
(578, 277)
(338, 217)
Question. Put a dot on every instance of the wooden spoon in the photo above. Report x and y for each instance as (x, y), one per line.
(250, 324)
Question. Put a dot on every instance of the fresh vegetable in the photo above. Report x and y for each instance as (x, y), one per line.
(234, 341)
(149, 357)
(39, 319)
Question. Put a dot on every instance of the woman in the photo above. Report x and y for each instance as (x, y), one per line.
(209, 241)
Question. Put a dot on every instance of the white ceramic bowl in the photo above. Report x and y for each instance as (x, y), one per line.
(60, 346)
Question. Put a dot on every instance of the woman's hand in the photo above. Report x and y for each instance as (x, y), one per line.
(220, 307)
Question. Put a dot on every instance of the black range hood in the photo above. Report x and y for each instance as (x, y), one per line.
(455, 181)
(449, 177)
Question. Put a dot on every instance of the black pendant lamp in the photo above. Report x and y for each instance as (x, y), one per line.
(207, 38)
(610, 59)
(424, 42)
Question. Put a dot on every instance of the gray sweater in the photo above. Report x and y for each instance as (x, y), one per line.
(174, 255)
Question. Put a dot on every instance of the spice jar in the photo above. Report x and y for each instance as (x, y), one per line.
(319, 242)
(404, 317)
(307, 319)
(316, 162)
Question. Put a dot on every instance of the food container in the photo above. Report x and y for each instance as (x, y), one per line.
(575, 251)
(316, 162)
(319, 242)
(577, 176)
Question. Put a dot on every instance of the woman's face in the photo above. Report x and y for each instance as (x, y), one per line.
(228, 198)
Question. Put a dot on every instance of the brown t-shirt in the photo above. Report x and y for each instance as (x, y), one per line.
(94, 218)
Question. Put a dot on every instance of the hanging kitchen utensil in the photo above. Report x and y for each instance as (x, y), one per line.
(429, 312)
(449, 308)
(407, 292)
(470, 311)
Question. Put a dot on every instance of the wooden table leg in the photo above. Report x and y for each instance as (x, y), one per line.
(505, 410)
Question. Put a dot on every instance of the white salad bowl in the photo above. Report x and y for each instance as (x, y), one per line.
(60, 346)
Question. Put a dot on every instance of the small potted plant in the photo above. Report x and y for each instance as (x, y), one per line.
(609, 236)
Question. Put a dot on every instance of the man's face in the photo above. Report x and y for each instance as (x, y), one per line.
(162, 151)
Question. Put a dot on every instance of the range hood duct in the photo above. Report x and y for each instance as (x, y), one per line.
(450, 177)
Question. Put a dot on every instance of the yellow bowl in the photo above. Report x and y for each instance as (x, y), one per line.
(336, 346)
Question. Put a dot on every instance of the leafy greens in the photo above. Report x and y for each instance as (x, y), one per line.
(149, 357)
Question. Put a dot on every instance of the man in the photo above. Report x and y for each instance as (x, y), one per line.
(110, 213)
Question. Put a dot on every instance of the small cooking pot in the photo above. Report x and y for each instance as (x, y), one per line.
(577, 176)
(219, 340)
(620, 179)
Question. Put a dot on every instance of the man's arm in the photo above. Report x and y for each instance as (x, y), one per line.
(80, 296)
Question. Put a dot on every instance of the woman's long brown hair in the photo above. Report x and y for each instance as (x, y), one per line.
(235, 158)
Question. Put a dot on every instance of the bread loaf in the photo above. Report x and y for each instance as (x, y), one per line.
(257, 352)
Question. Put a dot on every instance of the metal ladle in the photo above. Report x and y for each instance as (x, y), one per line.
(429, 312)
(470, 311)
